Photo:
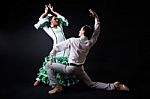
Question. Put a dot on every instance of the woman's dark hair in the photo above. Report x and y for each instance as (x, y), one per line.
(60, 21)
(88, 31)
(49, 17)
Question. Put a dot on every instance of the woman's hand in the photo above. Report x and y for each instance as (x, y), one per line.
(50, 7)
(46, 9)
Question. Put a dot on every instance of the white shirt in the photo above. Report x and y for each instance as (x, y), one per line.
(78, 47)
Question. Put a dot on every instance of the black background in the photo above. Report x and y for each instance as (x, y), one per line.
(121, 52)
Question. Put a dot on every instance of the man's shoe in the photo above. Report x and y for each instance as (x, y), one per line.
(120, 87)
(36, 83)
(56, 89)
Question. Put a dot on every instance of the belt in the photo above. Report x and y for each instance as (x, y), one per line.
(72, 64)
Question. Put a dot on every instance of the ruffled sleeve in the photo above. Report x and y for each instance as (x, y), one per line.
(42, 23)
(62, 20)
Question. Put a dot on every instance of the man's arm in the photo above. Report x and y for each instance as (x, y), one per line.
(60, 47)
(96, 27)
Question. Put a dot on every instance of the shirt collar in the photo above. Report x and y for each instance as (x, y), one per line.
(83, 38)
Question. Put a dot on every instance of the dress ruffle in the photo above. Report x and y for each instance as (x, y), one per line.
(41, 23)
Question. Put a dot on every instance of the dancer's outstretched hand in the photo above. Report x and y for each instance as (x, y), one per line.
(92, 13)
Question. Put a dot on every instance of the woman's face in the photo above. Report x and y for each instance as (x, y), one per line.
(54, 21)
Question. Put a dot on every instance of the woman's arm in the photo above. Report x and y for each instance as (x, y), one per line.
(45, 13)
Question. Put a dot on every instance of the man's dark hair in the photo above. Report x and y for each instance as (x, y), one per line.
(88, 31)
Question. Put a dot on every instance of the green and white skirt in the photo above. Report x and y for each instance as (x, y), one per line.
(65, 80)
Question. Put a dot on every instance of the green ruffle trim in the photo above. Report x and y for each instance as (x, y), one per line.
(60, 21)
(65, 80)
(42, 23)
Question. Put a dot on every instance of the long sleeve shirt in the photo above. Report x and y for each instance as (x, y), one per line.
(78, 47)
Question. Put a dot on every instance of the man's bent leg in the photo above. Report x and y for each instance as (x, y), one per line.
(52, 77)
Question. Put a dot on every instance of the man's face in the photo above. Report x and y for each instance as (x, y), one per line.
(54, 21)
(81, 32)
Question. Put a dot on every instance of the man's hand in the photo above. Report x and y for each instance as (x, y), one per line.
(92, 13)
(51, 60)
